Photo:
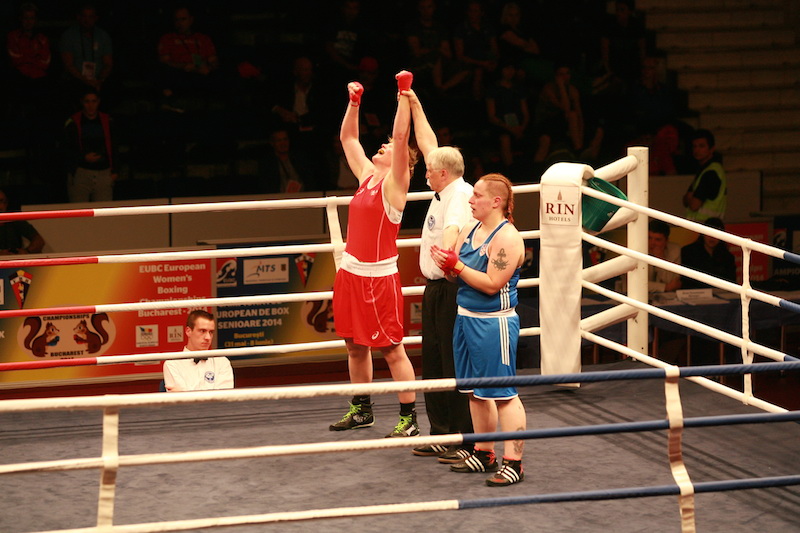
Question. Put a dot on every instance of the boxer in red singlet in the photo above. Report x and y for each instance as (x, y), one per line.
(367, 301)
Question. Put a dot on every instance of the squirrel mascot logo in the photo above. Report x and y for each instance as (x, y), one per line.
(320, 316)
(42, 342)
(93, 341)
(38, 345)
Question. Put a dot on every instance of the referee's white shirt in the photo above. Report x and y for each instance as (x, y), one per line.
(450, 209)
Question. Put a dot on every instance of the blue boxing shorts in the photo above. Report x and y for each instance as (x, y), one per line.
(485, 345)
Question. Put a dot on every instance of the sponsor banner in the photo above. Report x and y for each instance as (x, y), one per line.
(96, 334)
(560, 205)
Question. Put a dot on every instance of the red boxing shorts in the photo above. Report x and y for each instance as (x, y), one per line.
(368, 309)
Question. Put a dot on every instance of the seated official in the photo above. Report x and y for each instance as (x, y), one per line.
(200, 373)
(658, 245)
(708, 255)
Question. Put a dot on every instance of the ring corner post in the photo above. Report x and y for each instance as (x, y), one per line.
(561, 264)
(638, 193)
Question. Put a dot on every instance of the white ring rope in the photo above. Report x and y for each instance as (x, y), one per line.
(687, 322)
(688, 224)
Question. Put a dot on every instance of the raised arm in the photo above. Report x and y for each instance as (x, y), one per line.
(359, 163)
(399, 178)
(423, 132)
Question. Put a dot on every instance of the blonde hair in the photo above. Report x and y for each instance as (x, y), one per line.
(448, 158)
(501, 186)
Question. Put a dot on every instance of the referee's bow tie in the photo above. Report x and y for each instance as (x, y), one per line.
(436, 195)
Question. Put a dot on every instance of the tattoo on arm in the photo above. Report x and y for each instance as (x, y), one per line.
(500, 262)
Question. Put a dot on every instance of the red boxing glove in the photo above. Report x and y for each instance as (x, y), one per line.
(404, 79)
(355, 94)
(452, 265)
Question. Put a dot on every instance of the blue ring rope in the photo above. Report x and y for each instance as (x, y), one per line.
(631, 427)
(791, 306)
(611, 375)
(633, 492)
(794, 258)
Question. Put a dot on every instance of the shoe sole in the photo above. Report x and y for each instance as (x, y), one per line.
(392, 436)
(425, 454)
(452, 459)
(505, 482)
(334, 428)
(491, 468)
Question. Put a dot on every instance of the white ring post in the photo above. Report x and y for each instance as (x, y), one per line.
(560, 267)
(638, 193)
(335, 230)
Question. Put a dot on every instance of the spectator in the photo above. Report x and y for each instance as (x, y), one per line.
(622, 49)
(658, 245)
(655, 121)
(707, 196)
(344, 43)
(29, 51)
(507, 112)
(200, 373)
(86, 52)
(299, 106)
(475, 43)
(560, 121)
(431, 53)
(517, 45)
(711, 256)
(623, 45)
(90, 151)
(286, 170)
(708, 255)
(189, 61)
(17, 236)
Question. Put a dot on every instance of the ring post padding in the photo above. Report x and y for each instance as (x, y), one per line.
(561, 263)
(335, 230)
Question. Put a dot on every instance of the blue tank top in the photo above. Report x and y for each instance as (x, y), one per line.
(473, 299)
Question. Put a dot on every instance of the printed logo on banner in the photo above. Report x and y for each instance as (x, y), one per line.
(147, 336)
(560, 206)
(319, 315)
(20, 285)
(415, 315)
(226, 273)
(174, 333)
(66, 336)
(269, 270)
(304, 262)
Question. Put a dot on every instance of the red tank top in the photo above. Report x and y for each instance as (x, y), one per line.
(371, 236)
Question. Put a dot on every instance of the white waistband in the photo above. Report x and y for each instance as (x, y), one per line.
(476, 314)
(380, 269)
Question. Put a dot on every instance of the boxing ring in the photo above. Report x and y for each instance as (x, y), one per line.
(234, 412)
